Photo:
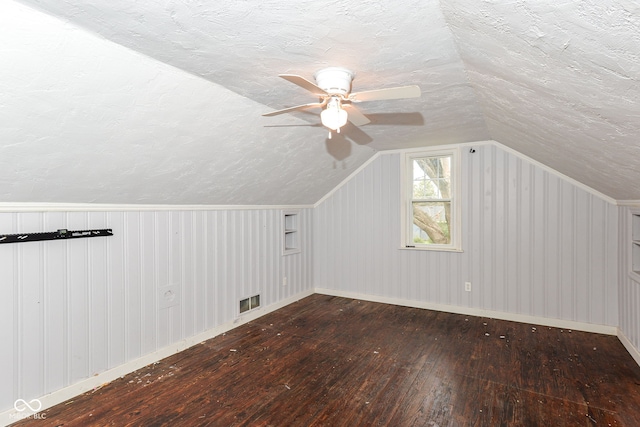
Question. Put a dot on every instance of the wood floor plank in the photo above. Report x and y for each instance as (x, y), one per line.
(329, 361)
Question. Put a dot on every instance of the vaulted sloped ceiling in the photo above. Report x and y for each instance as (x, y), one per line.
(113, 101)
(559, 81)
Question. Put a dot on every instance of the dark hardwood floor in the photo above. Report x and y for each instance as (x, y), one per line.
(328, 361)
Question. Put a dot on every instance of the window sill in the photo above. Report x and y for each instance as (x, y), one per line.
(436, 249)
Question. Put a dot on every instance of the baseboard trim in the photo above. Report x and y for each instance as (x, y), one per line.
(555, 323)
(626, 342)
(59, 396)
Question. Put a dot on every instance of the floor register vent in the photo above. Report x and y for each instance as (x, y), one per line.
(249, 303)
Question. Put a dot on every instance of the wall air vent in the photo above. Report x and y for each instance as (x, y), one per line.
(249, 303)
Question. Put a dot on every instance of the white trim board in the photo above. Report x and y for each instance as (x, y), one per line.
(556, 173)
(554, 323)
(97, 207)
(470, 311)
(476, 144)
(11, 416)
(348, 178)
(83, 386)
(633, 351)
(631, 203)
(395, 151)
(439, 147)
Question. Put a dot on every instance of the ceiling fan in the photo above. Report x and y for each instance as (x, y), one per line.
(333, 88)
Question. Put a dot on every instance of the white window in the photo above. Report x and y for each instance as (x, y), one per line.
(431, 212)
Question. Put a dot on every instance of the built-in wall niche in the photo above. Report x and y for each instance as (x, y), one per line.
(635, 245)
(290, 232)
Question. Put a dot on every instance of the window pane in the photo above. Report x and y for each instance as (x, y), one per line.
(431, 222)
(445, 164)
(432, 178)
(430, 210)
(425, 189)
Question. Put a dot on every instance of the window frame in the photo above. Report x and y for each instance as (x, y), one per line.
(406, 169)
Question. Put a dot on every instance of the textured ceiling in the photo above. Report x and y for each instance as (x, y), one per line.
(559, 81)
(161, 101)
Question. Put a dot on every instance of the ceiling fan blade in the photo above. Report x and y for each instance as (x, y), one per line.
(389, 93)
(355, 116)
(304, 83)
(356, 134)
(297, 107)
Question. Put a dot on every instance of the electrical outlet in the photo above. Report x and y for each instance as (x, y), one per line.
(467, 286)
(284, 281)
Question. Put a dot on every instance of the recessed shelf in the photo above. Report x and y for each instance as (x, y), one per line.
(290, 235)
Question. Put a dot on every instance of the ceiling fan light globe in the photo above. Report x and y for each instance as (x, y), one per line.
(334, 118)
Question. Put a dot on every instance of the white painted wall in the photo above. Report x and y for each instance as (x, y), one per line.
(84, 120)
(535, 244)
(629, 288)
(72, 309)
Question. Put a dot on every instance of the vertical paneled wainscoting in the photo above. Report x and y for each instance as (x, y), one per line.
(629, 286)
(535, 245)
(75, 308)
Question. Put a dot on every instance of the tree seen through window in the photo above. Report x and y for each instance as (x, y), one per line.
(431, 200)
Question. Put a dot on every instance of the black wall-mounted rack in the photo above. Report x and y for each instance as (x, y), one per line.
(54, 235)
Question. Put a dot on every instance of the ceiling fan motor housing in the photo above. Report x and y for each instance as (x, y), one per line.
(334, 80)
